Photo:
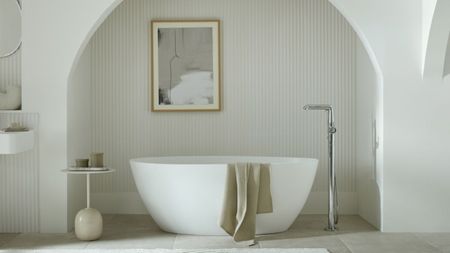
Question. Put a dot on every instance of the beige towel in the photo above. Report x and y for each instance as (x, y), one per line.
(247, 192)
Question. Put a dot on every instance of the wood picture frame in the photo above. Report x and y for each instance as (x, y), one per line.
(185, 65)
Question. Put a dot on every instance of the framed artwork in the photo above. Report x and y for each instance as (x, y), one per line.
(185, 65)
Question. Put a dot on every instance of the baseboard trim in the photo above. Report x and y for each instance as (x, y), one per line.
(118, 203)
(317, 203)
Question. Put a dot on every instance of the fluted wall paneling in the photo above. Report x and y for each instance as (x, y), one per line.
(276, 57)
(19, 174)
(11, 70)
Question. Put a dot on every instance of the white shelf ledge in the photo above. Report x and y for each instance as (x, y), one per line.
(10, 111)
(16, 142)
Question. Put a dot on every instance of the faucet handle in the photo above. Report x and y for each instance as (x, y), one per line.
(332, 129)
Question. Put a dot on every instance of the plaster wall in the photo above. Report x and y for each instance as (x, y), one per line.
(54, 35)
(428, 8)
(447, 59)
(415, 137)
(79, 132)
(367, 91)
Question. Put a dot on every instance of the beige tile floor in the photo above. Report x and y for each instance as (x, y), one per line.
(139, 231)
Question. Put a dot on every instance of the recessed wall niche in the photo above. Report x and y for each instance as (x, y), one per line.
(272, 65)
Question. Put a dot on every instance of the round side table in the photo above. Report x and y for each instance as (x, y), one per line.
(88, 221)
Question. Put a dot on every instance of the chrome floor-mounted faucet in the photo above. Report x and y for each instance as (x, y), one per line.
(332, 189)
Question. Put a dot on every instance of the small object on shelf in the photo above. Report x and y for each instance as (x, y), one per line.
(88, 221)
(15, 127)
(82, 163)
(97, 160)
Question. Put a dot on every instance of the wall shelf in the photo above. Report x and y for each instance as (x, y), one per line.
(16, 142)
(11, 111)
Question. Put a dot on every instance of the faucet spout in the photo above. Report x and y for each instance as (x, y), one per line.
(323, 107)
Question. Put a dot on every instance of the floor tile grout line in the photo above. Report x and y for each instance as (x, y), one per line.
(343, 243)
(175, 240)
(353, 227)
(259, 245)
(427, 242)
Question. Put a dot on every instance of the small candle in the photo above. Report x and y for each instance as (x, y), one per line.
(82, 163)
(97, 160)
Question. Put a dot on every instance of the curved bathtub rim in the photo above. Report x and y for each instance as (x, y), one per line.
(162, 159)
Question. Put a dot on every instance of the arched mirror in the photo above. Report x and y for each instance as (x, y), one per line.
(10, 27)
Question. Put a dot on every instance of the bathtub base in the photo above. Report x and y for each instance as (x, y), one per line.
(184, 194)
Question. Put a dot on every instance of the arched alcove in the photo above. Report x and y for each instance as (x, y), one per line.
(79, 117)
(370, 76)
(436, 41)
(447, 60)
(116, 55)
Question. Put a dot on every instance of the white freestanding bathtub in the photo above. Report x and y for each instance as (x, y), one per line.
(184, 193)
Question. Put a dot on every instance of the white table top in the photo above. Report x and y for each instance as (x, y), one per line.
(87, 171)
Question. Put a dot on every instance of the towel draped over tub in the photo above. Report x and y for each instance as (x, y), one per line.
(247, 193)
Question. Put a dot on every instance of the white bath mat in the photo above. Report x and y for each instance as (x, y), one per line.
(171, 251)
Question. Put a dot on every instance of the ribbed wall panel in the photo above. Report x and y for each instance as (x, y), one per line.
(19, 174)
(11, 70)
(276, 57)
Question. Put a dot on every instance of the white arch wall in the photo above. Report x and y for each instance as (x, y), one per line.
(447, 60)
(369, 111)
(367, 116)
(415, 188)
(436, 31)
(428, 8)
(53, 32)
(415, 137)
(48, 225)
(79, 131)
